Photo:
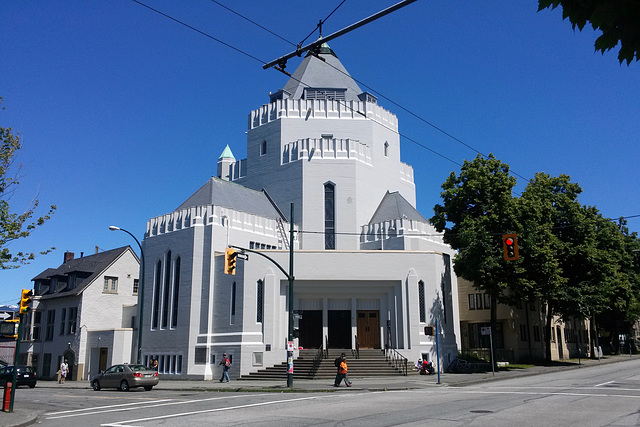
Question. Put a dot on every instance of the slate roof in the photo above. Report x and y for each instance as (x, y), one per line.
(230, 195)
(327, 74)
(394, 206)
(86, 268)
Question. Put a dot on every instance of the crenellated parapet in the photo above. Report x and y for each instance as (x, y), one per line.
(373, 235)
(326, 148)
(322, 109)
(211, 215)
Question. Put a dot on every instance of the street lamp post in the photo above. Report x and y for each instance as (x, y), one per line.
(140, 290)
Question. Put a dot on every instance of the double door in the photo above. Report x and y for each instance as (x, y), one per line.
(368, 325)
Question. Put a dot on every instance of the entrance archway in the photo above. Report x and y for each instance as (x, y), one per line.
(339, 328)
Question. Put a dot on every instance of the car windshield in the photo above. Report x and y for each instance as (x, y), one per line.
(138, 368)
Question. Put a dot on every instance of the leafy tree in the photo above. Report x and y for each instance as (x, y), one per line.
(477, 209)
(14, 226)
(619, 21)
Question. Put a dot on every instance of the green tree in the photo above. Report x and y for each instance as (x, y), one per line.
(477, 209)
(14, 226)
(619, 21)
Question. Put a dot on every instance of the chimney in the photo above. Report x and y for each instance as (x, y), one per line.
(68, 256)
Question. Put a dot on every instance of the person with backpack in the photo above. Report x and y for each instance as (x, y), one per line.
(341, 364)
(226, 365)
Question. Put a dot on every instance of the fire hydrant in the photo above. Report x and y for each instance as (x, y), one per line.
(6, 401)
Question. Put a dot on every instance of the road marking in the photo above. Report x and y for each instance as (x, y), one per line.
(119, 408)
(228, 408)
(608, 382)
(100, 407)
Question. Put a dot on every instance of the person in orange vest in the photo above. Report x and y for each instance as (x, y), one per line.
(342, 372)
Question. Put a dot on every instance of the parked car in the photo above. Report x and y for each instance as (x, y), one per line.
(125, 377)
(25, 375)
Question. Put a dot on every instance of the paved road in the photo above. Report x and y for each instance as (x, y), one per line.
(608, 394)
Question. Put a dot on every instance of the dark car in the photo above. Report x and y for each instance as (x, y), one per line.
(124, 377)
(25, 375)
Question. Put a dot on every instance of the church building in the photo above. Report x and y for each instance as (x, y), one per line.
(370, 271)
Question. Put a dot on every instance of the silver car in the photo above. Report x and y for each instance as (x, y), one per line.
(125, 377)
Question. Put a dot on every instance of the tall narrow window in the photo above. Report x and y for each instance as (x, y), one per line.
(386, 149)
(423, 308)
(263, 148)
(167, 290)
(176, 293)
(259, 301)
(63, 320)
(233, 299)
(156, 295)
(329, 216)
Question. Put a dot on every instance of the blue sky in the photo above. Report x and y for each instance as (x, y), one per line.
(124, 112)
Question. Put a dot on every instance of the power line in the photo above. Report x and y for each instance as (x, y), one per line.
(319, 26)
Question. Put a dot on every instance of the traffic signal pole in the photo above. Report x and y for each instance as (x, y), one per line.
(15, 364)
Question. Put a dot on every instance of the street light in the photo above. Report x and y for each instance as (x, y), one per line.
(140, 290)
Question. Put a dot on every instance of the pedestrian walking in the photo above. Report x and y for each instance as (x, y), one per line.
(64, 370)
(341, 363)
(226, 365)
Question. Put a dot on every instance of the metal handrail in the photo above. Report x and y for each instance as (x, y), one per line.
(317, 360)
(397, 360)
(357, 348)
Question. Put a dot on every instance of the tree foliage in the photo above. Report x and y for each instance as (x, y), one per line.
(14, 226)
(619, 21)
(573, 261)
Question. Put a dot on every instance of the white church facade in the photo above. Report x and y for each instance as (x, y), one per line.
(370, 271)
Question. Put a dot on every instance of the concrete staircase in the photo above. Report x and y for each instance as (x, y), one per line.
(371, 363)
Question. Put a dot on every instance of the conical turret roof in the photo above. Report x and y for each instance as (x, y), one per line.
(319, 74)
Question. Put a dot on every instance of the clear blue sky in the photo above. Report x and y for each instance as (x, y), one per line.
(124, 112)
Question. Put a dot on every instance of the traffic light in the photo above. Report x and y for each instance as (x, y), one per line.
(510, 244)
(25, 300)
(9, 328)
(230, 256)
(428, 330)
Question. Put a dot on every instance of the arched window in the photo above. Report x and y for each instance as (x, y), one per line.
(421, 300)
(176, 293)
(167, 290)
(329, 216)
(386, 149)
(259, 301)
(156, 295)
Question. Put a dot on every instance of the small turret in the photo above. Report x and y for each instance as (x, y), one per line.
(225, 161)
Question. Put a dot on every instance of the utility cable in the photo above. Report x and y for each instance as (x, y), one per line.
(321, 23)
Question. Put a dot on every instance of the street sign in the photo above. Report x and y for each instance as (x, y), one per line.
(485, 330)
(290, 346)
(5, 315)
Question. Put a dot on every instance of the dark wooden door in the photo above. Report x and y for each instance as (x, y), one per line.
(368, 329)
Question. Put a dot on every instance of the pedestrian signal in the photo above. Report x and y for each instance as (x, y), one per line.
(510, 246)
(428, 330)
(25, 300)
(230, 257)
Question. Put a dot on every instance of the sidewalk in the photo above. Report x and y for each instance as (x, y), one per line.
(411, 381)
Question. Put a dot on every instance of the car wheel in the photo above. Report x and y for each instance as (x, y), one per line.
(32, 385)
(124, 385)
(96, 385)
(148, 387)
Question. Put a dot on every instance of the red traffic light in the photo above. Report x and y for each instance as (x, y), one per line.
(510, 247)
(508, 241)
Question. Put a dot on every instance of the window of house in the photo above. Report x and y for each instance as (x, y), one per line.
(71, 321)
(62, 321)
(329, 217)
(477, 340)
(423, 309)
(259, 301)
(233, 302)
(263, 148)
(156, 295)
(51, 319)
(487, 301)
(322, 93)
(200, 355)
(479, 301)
(37, 319)
(136, 284)
(536, 333)
(176, 293)
(110, 285)
(472, 302)
(523, 332)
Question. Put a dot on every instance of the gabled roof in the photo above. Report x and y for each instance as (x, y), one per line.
(85, 268)
(327, 74)
(394, 206)
(234, 196)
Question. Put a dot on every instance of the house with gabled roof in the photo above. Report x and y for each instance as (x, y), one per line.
(370, 271)
(83, 312)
